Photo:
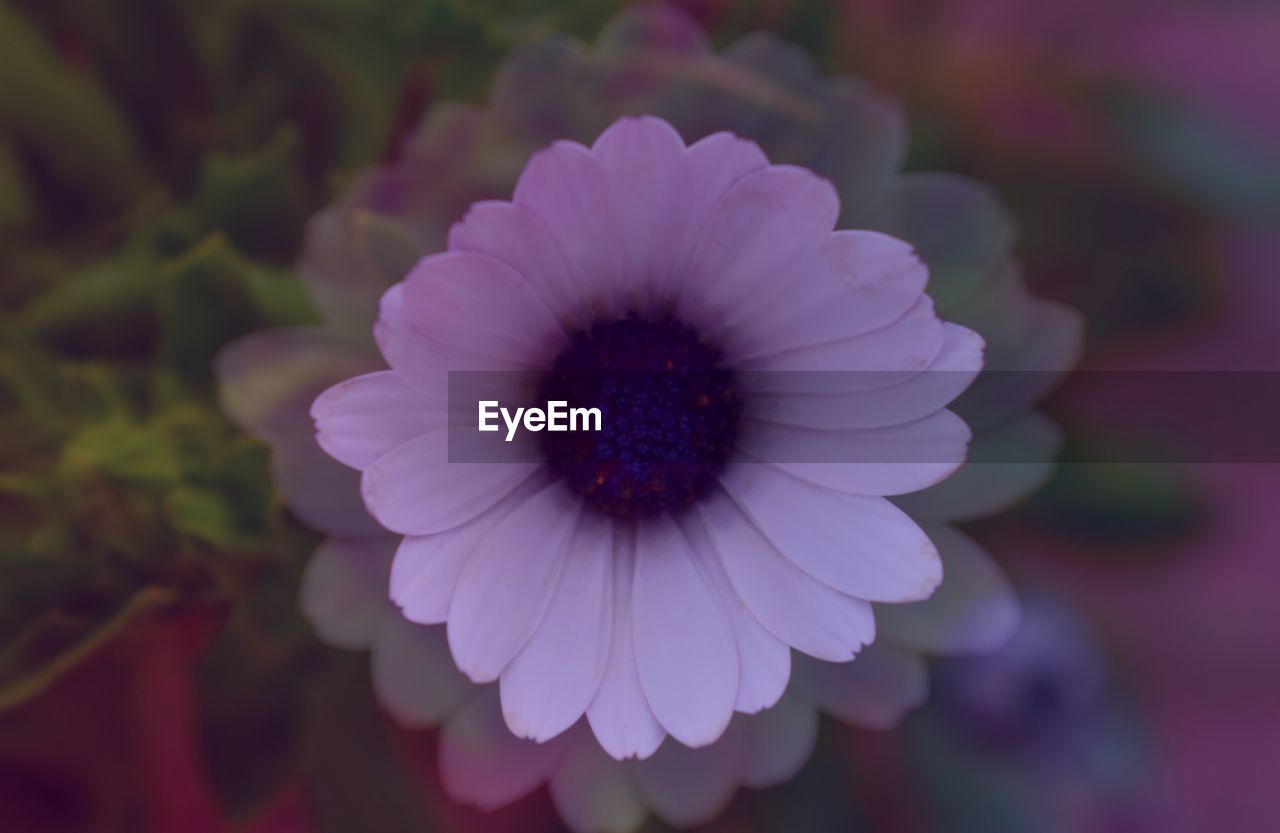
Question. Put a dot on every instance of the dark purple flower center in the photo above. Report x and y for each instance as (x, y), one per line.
(669, 416)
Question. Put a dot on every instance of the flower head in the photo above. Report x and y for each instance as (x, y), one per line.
(644, 576)
(653, 59)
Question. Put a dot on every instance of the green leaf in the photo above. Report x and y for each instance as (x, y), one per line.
(211, 294)
(21, 687)
(1116, 502)
(110, 291)
(61, 111)
(15, 202)
(206, 516)
(124, 451)
(254, 198)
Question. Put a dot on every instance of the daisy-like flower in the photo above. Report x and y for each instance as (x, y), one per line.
(652, 59)
(647, 578)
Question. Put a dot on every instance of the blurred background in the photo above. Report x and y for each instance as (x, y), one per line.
(159, 163)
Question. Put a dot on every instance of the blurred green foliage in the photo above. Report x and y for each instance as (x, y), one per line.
(159, 160)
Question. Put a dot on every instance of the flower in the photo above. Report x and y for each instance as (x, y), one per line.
(654, 59)
(1038, 732)
(641, 575)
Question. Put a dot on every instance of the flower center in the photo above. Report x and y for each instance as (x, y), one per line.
(669, 416)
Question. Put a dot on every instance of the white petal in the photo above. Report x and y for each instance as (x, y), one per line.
(518, 237)
(568, 189)
(360, 419)
(413, 675)
(859, 281)
(425, 570)
(685, 649)
(853, 397)
(343, 592)
(1005, 465)
(266, 379)
(620, 715)
(892, 460)
(464, 311)
(974, 611)
(765, 221)
(863, 546)
(764, 661)
(798, 609)
(686, 786)
(875, 691)
(780, 741)
(553, 679)
(506, 585)
(644, 159)
(415, 490)
(712, 164)
(908, 345)
(483, 764)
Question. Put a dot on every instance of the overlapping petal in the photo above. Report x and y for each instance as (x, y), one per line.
(862, 546)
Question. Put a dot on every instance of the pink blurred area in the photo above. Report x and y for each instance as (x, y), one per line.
(1193, 623)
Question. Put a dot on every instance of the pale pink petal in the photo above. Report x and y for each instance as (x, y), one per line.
(764, 661)
(644, 159)
(414, 489)
(875, 691)
(519, 238)
(320, 491)
(1031, 344)
(712, 164)
(909, 344)
(1005, 465)
(343, 592)
(764, 222)
(779, 742)
(483, 764)
(619, 715)
(464, 311)
(425, 570)
(859, 281)
(505, 587)
(553, 679)
(686, 786)
(360, 419)
(653, 29)
(856, 398)
(414, 677)
(863, 546)
(878, 461)
(798, 609)
(974, 611)
(685, 649)
(266, 380)
(956, 224)
(592, 792)
(567, 188)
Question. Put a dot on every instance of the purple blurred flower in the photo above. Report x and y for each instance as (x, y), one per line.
(1034, 736)
(1035, 691)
